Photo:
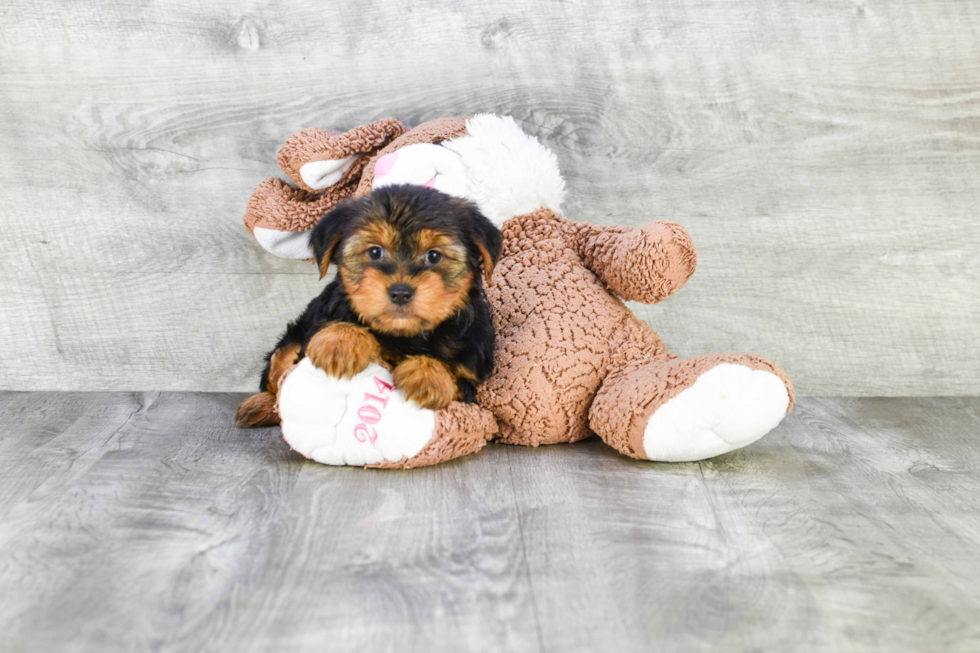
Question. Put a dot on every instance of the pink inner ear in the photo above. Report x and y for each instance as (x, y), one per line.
(385, 164)
(432, 182)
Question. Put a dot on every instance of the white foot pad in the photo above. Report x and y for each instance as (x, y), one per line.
(728, 407)
(357, 421)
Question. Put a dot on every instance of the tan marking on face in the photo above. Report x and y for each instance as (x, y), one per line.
(453, 267)
(427, 239)
(454, 270)
(368, 292)
(355, 247)
(435, 301)
(369, 297)
(382, 234)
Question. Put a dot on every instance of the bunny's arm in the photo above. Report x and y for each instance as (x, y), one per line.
(645, 264)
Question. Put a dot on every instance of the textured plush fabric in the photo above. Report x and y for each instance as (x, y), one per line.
(647, 264)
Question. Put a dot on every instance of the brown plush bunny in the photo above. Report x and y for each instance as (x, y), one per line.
(571, 358)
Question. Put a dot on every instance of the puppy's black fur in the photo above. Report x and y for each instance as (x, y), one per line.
(464, 340)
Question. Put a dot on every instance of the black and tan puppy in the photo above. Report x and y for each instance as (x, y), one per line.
(408, 292)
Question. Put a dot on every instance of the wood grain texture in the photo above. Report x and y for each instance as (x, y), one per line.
(145, 521)
(823, 155)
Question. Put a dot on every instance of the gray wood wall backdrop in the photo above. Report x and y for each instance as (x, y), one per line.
(824, 156)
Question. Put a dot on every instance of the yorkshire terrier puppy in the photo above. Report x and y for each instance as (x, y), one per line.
(408, 292)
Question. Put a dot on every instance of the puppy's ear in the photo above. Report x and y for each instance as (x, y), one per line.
(328, 233)
(487, 239)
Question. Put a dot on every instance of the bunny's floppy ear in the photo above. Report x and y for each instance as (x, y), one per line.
(317, 159)
(329, 232)
(326, 167)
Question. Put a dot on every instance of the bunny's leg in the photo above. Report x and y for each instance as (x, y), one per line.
(674, 410)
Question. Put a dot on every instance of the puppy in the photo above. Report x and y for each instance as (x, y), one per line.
(408, 292)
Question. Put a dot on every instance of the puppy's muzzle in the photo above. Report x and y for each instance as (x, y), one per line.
(401, 294)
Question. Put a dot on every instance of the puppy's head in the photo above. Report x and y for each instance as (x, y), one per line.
(407, 255)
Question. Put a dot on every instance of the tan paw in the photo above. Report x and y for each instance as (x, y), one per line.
(426, 381)
(342, 349)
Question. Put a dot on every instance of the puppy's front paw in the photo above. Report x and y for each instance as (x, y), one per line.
(342, 349)
(426, 381)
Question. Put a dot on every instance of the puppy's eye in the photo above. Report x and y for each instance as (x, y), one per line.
(432, 257)
(376, 253)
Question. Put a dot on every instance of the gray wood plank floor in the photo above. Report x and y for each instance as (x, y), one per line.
(147, 522)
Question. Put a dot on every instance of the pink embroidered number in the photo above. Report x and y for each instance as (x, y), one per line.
(362, 432)
(371, 413)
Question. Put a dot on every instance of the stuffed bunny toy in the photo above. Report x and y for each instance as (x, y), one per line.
(571, 359)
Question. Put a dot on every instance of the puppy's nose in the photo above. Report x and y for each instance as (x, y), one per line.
(401, 293)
